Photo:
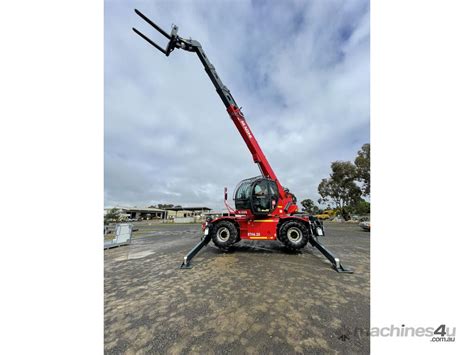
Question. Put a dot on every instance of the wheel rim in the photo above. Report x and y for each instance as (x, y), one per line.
(223, 234)
(294, 235)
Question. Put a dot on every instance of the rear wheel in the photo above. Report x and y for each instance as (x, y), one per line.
(224, 234)
(294, 234)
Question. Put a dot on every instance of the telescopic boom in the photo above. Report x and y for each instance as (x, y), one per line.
(233, 110)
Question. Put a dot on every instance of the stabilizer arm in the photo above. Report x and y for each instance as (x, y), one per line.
(336, 264)
(187, 259)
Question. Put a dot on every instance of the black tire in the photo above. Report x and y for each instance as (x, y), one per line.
(294, 234)
(224, 234)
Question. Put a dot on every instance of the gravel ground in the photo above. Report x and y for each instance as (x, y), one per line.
(256, 299)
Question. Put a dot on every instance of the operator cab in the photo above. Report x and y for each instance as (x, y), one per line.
(259, 194)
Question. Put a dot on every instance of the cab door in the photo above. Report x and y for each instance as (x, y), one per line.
(264, 197)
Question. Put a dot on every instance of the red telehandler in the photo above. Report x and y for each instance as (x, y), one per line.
(264, 209)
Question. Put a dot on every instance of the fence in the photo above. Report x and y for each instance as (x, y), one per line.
(122, 235)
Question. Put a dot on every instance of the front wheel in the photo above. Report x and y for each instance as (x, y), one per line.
(294, 234)
(224, 234)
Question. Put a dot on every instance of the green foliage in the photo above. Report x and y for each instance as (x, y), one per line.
(165, 205)
(113, 215)
(362, 163)
(309, 206)
(340, 188)
(362, 207)
(162, 205)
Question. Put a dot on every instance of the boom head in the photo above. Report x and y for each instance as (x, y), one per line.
(174, 40)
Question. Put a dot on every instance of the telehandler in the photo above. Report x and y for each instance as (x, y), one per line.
(264, 209)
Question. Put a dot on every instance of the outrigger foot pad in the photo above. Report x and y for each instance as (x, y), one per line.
(187, 259)
(336, 264)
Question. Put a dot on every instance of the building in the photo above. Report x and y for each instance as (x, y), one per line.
(140, 212)
(136, 213)
(185, 212)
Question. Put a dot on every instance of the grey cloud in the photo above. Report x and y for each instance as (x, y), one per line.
(301, 73)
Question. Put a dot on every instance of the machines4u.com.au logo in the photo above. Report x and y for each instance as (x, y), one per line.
(441, 333)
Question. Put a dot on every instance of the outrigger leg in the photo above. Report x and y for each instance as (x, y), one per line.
(336, 264)
(187, 259)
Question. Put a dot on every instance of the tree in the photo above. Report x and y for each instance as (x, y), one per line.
(362, 207)
(309, 206)
(162, 205)
(362, 163)
(340, 188)
(113, 215)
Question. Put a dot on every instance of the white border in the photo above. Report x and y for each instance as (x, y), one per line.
(51, 140)
(52, 177)
(421, 111)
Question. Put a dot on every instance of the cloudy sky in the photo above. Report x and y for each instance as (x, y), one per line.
(298, 69)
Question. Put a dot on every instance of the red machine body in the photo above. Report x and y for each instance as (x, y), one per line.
(257, 226)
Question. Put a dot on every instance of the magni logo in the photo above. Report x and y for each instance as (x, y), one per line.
(246, 129)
